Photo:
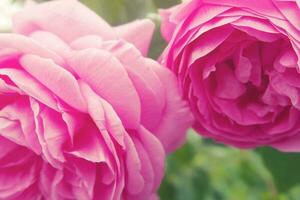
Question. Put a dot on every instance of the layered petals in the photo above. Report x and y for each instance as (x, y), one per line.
(83, 114)
(237, 63)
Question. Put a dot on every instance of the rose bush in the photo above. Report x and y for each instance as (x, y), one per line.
(238, 65)
(83, 114)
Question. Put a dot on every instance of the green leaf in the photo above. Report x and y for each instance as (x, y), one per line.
(165, 3)
(184, 180)
(167, 189)
(118, 12)
(158, 43)
(285, 167)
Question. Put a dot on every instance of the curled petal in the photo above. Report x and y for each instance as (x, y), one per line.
(132, 33)
(67, 19)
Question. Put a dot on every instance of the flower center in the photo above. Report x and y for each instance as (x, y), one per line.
(253, 82)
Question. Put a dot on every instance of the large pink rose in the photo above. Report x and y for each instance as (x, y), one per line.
(238, 65)
(83, 114)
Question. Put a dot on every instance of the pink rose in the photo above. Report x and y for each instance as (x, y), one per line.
(83, 114)
(238, 65)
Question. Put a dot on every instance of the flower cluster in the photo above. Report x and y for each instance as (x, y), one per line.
(84, 114)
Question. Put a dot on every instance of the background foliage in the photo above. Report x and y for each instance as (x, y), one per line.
(202, 169)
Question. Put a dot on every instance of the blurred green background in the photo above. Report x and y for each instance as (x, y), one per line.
(201, 169)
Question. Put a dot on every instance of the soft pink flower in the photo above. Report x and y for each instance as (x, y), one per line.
(238, 65)
(83, 114)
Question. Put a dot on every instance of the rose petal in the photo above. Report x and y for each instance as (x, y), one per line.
(100, 69)
(67, 19)
(56, 78)
(132, 33)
